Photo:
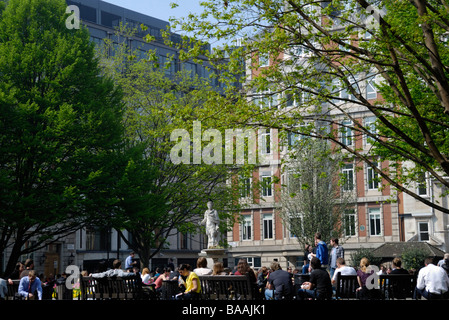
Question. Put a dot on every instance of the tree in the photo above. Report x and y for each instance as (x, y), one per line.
(60, 128)
(386, 58)
(312, 200)
(171, 196)
(413, 258)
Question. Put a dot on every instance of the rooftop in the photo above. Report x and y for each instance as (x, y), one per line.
(394, 249)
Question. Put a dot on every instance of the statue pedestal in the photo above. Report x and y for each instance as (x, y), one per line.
(212, 256)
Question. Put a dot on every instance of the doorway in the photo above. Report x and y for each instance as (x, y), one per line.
(52, 261)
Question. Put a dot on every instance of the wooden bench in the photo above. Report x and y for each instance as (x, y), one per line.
(391, 286)
(226, 287)
(397, 286)
(345, 286)
(127, 288)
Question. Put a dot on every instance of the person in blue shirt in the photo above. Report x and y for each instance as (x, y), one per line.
(321, 250)
(130, 262)
(29, 285)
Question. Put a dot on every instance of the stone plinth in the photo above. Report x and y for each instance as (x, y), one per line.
(213, 255)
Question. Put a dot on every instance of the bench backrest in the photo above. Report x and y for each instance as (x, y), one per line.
(397, 286)
(111, 288)
(392, 286)
(346, 286)
(232, 287)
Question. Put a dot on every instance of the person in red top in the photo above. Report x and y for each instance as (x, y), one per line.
(164, 276)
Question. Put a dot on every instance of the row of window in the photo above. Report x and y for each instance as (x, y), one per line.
(372, 179)
(349, 225)
(267, 227)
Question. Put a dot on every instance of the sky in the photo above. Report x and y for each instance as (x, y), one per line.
(160, 9)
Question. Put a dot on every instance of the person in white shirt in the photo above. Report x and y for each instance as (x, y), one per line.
(201, 267)
(343, 269)
(432, 282)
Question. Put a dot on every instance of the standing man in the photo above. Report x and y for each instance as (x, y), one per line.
(337, 251)
(432, 282)
(321, 251)
(129, 262)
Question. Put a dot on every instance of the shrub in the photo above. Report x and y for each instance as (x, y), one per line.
(360, 253)
(413, 258)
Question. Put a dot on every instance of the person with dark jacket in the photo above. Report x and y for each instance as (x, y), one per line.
(279, 283)
(319, 286)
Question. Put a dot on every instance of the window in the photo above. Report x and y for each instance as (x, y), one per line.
(268, 226)
(266, 186)
(266, 141)
(293, 138)
(110, 20)
(183, 240)
(345, 45)
(423, 229)
(340, 92)
(98, 239)
(371, 92)
(349, 222)
(369, 124)
(300, 51)
(189, 68)
(374, 221)
(372, 177)
(246, 227)
(245, 187)
(346, 133)
(264, 59)
(266, 99)
(348, 177)
(166, 65)
(422, 185)
(253, 262)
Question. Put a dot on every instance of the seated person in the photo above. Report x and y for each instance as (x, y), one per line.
(319, 286)
(279, 283)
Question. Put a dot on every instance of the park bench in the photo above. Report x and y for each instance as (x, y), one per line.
(345, 286)
(227, 287)
(120, 288)
(12, 290)
(391, 286)
(397, 286)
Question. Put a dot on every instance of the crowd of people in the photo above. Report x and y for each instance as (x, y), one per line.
(32, 286)
(320, 264)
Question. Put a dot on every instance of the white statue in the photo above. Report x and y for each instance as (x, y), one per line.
(211, 221)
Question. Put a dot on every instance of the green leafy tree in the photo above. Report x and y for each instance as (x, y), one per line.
(331, 57)
(413, 258)
(361, 253)
(157, 104)
(60, 128)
